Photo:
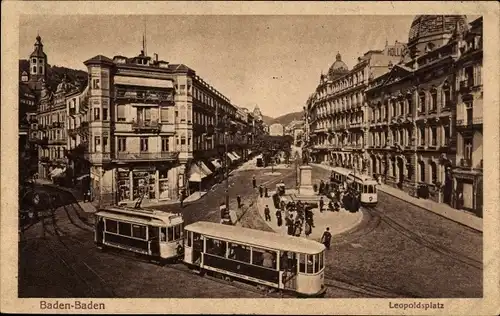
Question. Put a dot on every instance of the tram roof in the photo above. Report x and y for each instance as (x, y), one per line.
(257, 238)
(141, 215)
(342, 170)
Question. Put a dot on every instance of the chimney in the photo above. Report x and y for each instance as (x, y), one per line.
(156, 57)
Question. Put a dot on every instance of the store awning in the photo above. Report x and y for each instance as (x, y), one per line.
(196, 174)
(231, 157)
(143, 82)
(236, 155)
(205, 169)
(216, 164)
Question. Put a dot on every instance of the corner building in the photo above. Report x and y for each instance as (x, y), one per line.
(150, 122)
(413, 114)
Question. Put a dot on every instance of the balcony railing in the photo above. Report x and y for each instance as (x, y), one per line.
(57, 141)
(146, 125)
(130, 156)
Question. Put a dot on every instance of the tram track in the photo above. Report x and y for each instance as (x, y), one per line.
(448, 252)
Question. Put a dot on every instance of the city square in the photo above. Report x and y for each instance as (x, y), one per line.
(147, 136)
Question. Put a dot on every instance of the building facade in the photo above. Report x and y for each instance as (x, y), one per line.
(276, 129)
(338, 108)
(420, 121)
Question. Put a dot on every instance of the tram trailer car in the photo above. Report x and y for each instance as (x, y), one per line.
(155, 234)
(287, 263)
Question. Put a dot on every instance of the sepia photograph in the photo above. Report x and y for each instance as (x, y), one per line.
(165, 155)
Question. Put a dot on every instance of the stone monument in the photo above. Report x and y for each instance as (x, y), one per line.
(305, 186)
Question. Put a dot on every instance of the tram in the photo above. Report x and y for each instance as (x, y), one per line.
(154, 234)
(286, 263)
(365, 185)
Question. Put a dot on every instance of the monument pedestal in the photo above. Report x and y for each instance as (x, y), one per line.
(306, 187)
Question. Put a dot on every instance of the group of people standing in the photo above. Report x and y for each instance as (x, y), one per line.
(341, 196)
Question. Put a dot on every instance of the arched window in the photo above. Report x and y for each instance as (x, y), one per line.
(421, 136)
(446, 95)
(433, 171)
(421, 102)
(401, 107)
(393, 166)
(421, 167)
(401, 138)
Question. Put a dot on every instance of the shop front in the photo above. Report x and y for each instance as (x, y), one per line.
(199, 176)
(468, 190)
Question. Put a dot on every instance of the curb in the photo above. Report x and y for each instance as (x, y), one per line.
(428, 210)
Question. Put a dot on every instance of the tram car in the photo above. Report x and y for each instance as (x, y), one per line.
(286, 263)
(365, 185)
(155, 234)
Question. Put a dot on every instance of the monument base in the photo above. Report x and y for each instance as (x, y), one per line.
(306, 190)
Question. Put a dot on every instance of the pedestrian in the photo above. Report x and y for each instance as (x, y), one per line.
(279, 220)
(298, 227)
(267, 213)
(261, 191)
(321, 187)
(307, 229)
(330, 206)
(289, 224)
(254, 182)
(182, 199)
(326, 238)
(266, 192)
(238, 199)
(321, 204)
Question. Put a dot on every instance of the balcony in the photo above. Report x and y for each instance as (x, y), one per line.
(148, 156)
(149, 126)
(145, 96)
(57, 141)
(466, 85)
(96, 156)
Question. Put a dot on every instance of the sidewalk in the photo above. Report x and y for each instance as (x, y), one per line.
(441, 209)
(338, 222)
(87, 207)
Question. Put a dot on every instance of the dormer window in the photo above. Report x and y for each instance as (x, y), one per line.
(33, 60)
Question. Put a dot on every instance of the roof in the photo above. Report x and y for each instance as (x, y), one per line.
(144, 216)
(342, 170)
(257, 238)
(98, 59)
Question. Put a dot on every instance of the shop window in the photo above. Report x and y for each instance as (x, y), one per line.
(111, 226)
(125, 229)
(139, 231)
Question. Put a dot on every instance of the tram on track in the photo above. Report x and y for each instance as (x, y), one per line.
(365, 185)
(286, 263)
(157, 235)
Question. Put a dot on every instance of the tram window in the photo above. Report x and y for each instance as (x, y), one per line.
(316, 263)
(310, 264)
(139, 231)
(288, 261)
(370, 189)
(321, 260)
(216, 247)
(239, 252)
(170, 233)
(125, 229)
(111, 226)
(153, 232)
(177, 232)
(264, 258)
(302, 265)
(189, 239)
(197, 242)
(163, 234)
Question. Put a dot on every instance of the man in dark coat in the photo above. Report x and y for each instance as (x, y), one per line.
(321, 204)
(279, 220)
(290, 225)
(267, 213)
(254, 182)
(261, 190)
(238, 199)
(326, 238)
(321, 187)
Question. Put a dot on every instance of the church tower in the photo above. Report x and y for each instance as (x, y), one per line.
(38, 66)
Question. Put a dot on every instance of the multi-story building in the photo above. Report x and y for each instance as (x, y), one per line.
(467, 172)
(154, 128)
(337, 110)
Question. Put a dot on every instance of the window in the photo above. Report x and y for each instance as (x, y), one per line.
(239, 252)
(125, 229)
(111, 226)
(122, 144)
(421, 102)
(468, 112)
(434, 99)
(421, 136)
(468, 148)
(189, 238)
(40, 69)
(34, 69)
(104, 114)
(105, 142)
(144, 114)
(96, 114)
(33, 60)
(164, 114)
(401, 108)
(433, 172)
(120, 116)
(165, 144)
(302, 261)
(139, 231)
(421, 166)
(446, 97)
(95, 84)
(177, 232)
(216, 247)
(97, 143)
(144, 144)
(433, 135)
(163, 234)
(316, 263)
(264, 258)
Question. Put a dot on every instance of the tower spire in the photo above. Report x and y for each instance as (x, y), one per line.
(144, 44)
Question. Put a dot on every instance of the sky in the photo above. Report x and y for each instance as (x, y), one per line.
(271, 61)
